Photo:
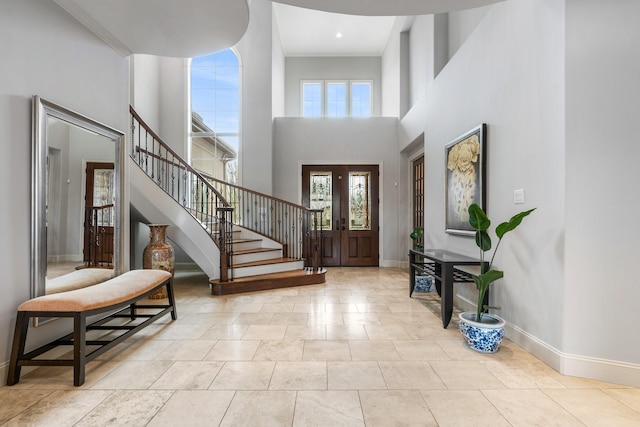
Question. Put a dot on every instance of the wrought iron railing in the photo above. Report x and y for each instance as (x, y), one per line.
(98, 236)
(186, 186)
(286, 223)
(218, 205)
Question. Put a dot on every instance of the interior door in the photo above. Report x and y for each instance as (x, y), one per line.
(418, 197)
(99, 215)
(348, 196)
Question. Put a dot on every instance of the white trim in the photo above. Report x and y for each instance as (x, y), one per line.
(612, 371)
(594, 368)
(93, 25)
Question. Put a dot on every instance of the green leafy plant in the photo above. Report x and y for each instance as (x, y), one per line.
(416, 235)
(481, 223)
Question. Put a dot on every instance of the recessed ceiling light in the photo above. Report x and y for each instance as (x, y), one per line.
(338, 35)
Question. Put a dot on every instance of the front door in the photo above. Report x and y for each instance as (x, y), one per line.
(348, 196)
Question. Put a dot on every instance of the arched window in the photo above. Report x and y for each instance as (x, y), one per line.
(215, 115)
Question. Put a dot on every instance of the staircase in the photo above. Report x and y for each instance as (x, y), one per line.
(243, 240)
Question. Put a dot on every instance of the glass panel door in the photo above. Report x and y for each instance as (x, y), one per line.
(321, 195)
(359, 201)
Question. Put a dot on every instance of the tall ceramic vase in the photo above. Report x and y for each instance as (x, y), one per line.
(158, 255)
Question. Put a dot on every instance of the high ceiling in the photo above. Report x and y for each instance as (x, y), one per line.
(306, 32)
(388, 7)
(188, 28)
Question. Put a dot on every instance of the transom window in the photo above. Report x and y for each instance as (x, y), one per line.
(215, 113)
(336, 98)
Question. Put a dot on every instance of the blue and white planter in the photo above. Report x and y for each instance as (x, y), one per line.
(483, 337)
(424, 284)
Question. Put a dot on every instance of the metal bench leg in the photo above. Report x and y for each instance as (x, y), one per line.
(17, 350)
(79, 347)
(172, 300)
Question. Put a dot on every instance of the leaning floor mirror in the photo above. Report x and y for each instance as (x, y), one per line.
(76, 205)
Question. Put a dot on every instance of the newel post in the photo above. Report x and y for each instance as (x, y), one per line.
(225, 243)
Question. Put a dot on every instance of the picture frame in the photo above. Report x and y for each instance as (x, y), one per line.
(465, 175)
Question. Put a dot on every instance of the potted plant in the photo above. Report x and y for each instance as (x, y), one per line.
(416, 235)
(483, 331)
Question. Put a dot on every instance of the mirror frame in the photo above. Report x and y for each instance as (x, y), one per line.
(42, 110)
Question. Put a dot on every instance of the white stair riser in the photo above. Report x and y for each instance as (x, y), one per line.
(256, 256)
(266, 269)
(243, 246)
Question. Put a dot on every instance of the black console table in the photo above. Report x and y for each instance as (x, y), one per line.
(441, 264)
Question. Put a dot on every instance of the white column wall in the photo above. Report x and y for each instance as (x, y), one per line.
(256, 121)
(145, 88)
(601, 290)
(45, 52)
(278, 71)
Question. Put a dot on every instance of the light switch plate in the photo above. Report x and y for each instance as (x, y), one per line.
(518, 196)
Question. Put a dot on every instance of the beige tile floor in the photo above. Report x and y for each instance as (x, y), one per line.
(354, 351)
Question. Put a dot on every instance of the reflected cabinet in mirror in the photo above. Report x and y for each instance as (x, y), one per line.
(76, 207)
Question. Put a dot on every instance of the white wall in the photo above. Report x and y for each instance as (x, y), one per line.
(45, 52)
(601, 290)
(277, 71)
(462, 24)
(568, 294)
(301, 141)
(256, 146)
(390, 73)
(510, 75)
(145, 88)
(331, 68)
(421, 57)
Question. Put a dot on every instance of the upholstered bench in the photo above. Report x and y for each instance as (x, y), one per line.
(117, 296)
(77, 279)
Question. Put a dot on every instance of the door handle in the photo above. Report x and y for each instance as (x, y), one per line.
(343, 224)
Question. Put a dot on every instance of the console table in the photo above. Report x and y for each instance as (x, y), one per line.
(441, 264)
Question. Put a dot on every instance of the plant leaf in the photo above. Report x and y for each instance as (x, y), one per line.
(478, 219)
(515, 221)
(483, 240)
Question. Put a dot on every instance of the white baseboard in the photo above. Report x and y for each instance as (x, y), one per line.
(392, 264)
(612, 371)
(574, 365)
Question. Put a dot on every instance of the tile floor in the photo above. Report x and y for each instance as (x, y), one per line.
(354, 351)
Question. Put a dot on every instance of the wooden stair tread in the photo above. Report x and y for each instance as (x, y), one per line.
(246, 240)
(272, 276)
(299, 277)
(256, 250)
(265, 262)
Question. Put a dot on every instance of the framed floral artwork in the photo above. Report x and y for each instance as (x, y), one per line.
(465, 179)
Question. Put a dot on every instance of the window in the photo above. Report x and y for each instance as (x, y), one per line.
(336, 98)
(312, 99)
(215, 113)
(360, 99)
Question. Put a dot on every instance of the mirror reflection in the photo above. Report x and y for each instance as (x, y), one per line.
(76, 202)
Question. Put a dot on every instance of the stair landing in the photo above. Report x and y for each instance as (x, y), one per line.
(263, 282)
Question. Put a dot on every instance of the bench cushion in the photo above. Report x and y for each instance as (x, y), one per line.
(117, 290)
(78, 279)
